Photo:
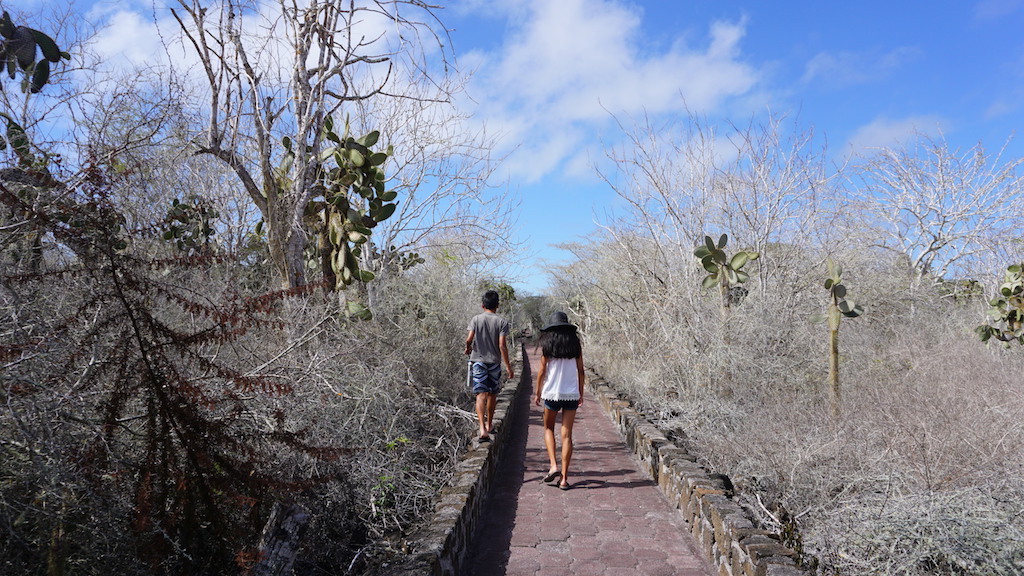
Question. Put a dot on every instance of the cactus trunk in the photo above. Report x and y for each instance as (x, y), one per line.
(833, 369)
(723, 290)
(839, 306)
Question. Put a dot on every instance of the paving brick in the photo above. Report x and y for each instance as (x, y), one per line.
(650, 554)
(619, 560)
(586, 568)
(660, 568)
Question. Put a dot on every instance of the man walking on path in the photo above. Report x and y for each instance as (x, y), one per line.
(487, 346)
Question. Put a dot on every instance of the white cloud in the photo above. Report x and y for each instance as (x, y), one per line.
(1002, 106)
(144, 35)
(888, 132)
(843, 69)
(128, 39)
(568, 65)
(995, 9)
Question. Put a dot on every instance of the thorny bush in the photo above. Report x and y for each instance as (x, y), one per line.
(154, 410)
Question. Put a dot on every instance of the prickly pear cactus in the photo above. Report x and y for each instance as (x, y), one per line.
(354, 201)
(723, 270)
(19, 48)
(839, 306)
(1006, 310)
(189, 224)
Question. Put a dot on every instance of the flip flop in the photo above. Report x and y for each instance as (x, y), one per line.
(564, 486)
(552, 476)
(485, 439)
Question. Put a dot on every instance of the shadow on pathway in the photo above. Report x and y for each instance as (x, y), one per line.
(613, 521)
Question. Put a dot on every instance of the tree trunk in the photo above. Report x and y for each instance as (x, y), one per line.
(726, 297)
(286, 243)
(279, 544)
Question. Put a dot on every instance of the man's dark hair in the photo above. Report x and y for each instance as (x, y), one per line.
(560, 343)
(490, 300)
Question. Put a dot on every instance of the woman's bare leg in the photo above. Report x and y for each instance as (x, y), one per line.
(568, 418)
(549, 438)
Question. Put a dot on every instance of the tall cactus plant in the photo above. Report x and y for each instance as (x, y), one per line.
(839, 307)
(723, 270)
(1006, 310)
(354, 201)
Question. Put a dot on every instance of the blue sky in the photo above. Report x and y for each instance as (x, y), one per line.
(552, 77)
(862, 74)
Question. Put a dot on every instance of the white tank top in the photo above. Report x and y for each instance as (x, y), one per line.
(562, 380)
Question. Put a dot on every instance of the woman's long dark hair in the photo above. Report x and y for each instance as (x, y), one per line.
(560, 343)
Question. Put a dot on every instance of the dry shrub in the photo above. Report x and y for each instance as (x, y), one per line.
(923, 461)
(953, 532)
(390, 391)
(276, 397)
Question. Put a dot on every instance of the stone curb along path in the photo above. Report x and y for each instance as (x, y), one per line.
(722, 529)
(498, 518)
(441, 546)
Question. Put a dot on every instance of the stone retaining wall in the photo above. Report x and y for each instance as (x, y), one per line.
(721, 527)
(440, 548)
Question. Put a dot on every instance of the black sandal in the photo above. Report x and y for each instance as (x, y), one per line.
(552, 476)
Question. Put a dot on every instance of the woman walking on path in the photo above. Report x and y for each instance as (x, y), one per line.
(560, 384)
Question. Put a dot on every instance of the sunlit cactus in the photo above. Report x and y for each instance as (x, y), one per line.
(1006, 310)
(354, 201)
(723, 270)
(839, 306)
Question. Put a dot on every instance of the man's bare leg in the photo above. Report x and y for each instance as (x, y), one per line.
(482, 414)
(492, 403)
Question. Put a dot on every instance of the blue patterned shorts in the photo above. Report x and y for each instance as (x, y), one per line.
(486, 378)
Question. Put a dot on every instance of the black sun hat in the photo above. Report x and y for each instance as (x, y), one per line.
(558, 320)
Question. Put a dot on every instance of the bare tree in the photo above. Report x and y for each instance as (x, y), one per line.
(277, 72)
(767, 184)
(775, 184)
(942, 208)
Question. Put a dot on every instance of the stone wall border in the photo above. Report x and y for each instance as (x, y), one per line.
(724, 532)
(441, 546)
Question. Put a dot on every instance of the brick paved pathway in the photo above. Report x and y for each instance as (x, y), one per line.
(614, 521)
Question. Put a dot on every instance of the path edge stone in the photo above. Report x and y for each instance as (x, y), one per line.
(723, 531)
(441, 546)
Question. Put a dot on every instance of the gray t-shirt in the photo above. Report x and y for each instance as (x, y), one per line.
(487, 327)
